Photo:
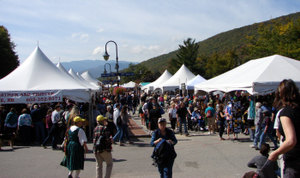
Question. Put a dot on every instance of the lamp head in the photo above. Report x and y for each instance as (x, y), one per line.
(106, 56)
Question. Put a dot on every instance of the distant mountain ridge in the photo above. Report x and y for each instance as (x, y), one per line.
(95, 67)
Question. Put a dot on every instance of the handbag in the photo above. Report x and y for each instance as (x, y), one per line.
(119, 121)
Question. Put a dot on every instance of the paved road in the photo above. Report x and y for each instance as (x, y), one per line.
(199, 155)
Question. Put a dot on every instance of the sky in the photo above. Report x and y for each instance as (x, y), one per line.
(70, 30)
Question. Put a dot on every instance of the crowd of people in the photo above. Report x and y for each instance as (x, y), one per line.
(231, 113)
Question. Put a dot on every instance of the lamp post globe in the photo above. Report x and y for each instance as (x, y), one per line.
(106, 56)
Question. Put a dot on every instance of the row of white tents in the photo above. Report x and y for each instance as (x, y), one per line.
(257, 77)
(38, 80)
(169, 82)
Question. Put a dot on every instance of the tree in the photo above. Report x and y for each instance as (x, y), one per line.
(276, 38)
(141, 74)
(8, 58)
(187, 55)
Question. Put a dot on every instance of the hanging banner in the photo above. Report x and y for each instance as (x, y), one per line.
(25, 97)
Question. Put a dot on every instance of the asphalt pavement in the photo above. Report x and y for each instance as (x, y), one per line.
(199, 155)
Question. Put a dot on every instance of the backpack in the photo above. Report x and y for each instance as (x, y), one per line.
(163, 153)
(208, 114)
(101, 143)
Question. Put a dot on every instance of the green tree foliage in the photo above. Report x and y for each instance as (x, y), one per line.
(8, 58)
(187, 55)
(276, 38)
(141, 74)
(218, 64)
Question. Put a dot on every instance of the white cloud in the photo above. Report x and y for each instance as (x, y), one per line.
(81, 36)
(100, 30)
(98, 50)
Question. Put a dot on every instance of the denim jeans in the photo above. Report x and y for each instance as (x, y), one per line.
(166, 171)
(251, 133)
(39, 131)
(182, 121)
(52, 134)
(119, 134)
(269, 134)
(259, 136)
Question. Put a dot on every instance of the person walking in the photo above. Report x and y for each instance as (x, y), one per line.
(76, 147)
(288, 98)
(210, 115)
(172, 116)
(103, 152)
(118, 123)
(11, 124)
(221, 120)
(24, 126)
(53, 133)
(181, 117)
(39, 126)
(163, 134)
(259, 127)
(125, 122)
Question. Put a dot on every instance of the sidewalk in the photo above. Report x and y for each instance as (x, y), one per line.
(136, 129)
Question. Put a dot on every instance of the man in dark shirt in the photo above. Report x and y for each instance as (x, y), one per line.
(37, 119)
(181, 117)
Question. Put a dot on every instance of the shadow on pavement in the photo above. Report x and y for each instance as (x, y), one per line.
(244, 140)
(90, 159)
(21, 147)
(119, 160)
(6, 150)
(183, 139)
(142, 144)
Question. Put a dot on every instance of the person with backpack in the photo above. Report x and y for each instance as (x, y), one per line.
(163, 139)
(102, 146)
(210, 115)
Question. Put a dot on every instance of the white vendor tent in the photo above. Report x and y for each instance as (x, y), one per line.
(83, 82)
(130, 84)
(258, 77)
(163, 78)
(183, 75)
(61, 68)
(87, 76)
(38, 80)
(195, 81)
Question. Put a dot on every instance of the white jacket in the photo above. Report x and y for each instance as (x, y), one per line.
(116, 115)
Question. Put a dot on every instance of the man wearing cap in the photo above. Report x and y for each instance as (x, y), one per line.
(76, 147)
(167, 135)
(103, 154)
(258, 123)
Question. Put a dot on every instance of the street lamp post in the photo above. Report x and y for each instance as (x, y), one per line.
(106, 57)
(105, 71)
